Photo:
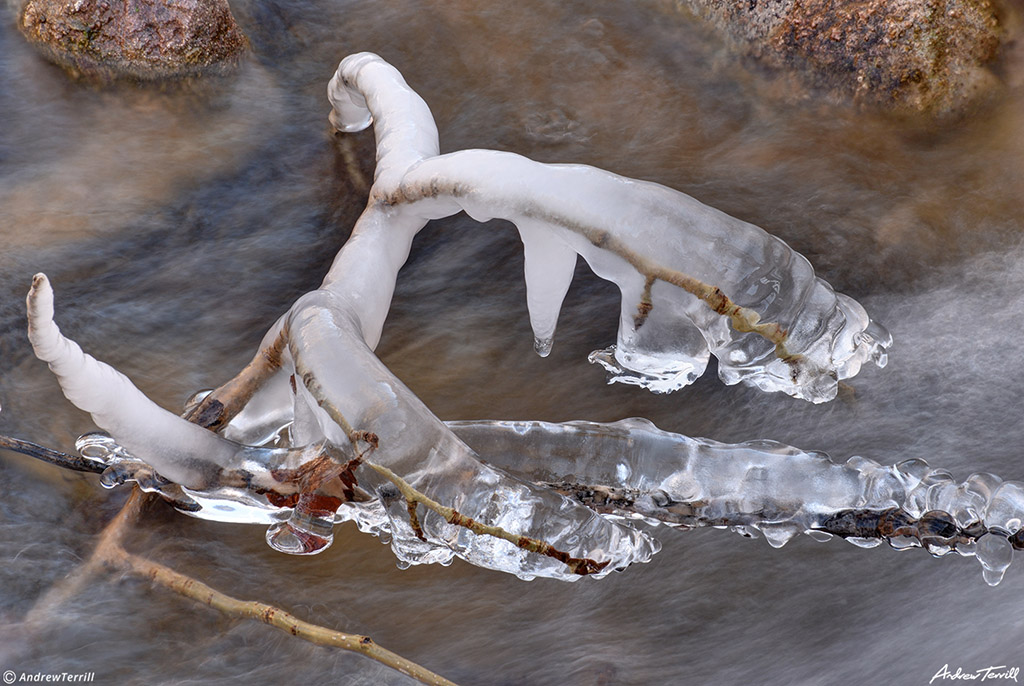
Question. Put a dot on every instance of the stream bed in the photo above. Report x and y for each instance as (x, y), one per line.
(176, 223)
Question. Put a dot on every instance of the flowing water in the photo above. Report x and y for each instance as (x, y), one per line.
(177, 223)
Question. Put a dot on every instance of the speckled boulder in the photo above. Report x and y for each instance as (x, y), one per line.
(920, 55)
(144, 39)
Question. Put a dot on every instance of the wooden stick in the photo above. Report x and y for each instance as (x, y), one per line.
(55, 457)
(220, 406)
(273, 616)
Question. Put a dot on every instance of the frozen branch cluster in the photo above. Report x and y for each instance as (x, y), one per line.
(316, 430)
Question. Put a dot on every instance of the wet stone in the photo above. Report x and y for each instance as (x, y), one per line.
(139, 39)
(906, 55)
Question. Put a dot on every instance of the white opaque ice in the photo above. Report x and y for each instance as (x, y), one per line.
(549, 267)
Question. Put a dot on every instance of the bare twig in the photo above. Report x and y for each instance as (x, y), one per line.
(219, 407)
(55, 457)
(577, 565)
(273, 616)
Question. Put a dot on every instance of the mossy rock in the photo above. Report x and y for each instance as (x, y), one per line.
(141, 39)
(914, 55)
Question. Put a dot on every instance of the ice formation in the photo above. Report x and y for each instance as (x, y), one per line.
(634, 470)
(309, 433)
(694, 281)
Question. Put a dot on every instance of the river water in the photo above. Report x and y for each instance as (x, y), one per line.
(177, 223)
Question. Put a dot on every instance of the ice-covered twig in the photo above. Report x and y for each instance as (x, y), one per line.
(341, 385)
(789, 332)
(631, 468)
(576, 565)
(178, 449)
(674, 259)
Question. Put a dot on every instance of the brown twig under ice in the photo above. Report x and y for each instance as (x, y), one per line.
(576, 565)
(743, 319)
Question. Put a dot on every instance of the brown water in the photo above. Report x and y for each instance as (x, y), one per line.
(176, 224)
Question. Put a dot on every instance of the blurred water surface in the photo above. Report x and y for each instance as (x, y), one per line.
(177, 223)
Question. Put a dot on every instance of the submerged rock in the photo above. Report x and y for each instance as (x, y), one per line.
(919, 55)
(145, 39)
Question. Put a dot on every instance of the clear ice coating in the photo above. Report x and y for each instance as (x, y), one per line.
(694, 282)
(309, 529)
(627, 473)
(634, 470)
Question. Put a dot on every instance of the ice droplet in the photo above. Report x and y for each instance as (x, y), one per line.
(310, 528)
(992, 577)
(1006, 509)
(779, 535)
(995, 554)
(904, 542)
(864, 542)
(542, 346)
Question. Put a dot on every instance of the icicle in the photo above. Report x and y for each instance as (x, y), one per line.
(550, 265)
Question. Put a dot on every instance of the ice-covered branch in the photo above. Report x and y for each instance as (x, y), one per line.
(295, 424)
(694, 280)
(633, 469)
(179, 450)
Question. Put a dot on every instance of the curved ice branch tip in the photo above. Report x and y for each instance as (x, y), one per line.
(179, 450)
(365, 89)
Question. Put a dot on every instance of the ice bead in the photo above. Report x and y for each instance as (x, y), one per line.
(995, 554)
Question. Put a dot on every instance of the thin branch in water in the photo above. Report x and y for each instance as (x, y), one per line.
(54, 457)
(272, 616)
(76, 582)
(576, 565)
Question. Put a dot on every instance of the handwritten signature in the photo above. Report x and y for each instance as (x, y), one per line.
(994, 672)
